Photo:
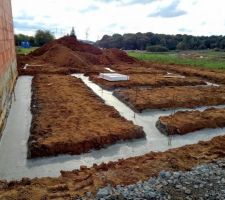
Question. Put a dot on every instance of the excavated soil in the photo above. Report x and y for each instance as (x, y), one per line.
(69, 118)
(171, 97)
(183, 122)
(124, 172)
(148, 80)
(68, 55)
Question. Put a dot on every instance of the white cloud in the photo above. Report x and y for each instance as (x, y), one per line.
(197, 17)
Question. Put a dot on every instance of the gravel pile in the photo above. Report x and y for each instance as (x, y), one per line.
(203, 182)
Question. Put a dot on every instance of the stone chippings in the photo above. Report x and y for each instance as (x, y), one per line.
(202, 182)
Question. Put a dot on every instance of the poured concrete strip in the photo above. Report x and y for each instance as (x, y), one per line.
(13, 146)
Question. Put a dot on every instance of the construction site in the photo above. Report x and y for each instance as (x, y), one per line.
(76, 118)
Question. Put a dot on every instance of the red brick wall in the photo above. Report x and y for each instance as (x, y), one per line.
(8, 71)
(7, 48)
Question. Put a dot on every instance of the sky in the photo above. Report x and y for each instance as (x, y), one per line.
(94, 18)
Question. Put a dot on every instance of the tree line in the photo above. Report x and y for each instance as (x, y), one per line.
(40, 38)
(161, 42)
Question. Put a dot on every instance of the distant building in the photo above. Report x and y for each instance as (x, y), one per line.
(8, 71)
(25, 44)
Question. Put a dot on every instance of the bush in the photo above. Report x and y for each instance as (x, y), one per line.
(157, 48)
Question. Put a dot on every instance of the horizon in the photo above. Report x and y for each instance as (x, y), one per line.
(92, 19)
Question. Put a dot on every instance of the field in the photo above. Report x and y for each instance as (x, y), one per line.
(25, 51)
(206, 59)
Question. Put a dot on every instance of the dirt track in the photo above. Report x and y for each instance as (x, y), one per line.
(171, 97)
(184, 122)
(122, 172)
(150, 80)
(69, 118)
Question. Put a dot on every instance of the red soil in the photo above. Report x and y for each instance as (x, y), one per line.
(183, 122)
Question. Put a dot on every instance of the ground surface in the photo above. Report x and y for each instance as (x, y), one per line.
(184, 122)
(172, 97)
(123, 172)
(148, 80)
(69, 118)
(63, 106)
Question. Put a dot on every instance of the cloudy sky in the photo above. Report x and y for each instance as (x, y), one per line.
(94, 18)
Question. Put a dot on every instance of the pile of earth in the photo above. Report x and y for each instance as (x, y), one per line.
(71, 55)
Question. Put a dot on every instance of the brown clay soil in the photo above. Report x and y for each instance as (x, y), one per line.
(183, 122)
(124, 172)
(148, 80)
(69, 118)
(68, 55)
(140, 99)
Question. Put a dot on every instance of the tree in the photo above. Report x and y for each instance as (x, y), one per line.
(172, 42)
(181, 46)
(43, 37)
(72, 33)
(156, 48)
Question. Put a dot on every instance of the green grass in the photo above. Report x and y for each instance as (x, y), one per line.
(25, 51)
(206, 59)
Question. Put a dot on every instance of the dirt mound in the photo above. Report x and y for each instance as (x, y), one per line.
(72, 54)
(114, 56)
(69, 42)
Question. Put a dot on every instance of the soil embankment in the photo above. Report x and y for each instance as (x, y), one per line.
(183, 122)
(69, 118)
(171, 97)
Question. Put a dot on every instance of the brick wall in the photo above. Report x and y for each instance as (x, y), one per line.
(8, 70)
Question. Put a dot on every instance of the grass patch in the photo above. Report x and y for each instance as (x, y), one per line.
(205, 59)
(25, 51)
